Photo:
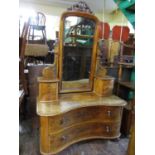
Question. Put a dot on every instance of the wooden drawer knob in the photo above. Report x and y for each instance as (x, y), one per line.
(108, 129)
(63, 138)
(109, 113)
(63, 121)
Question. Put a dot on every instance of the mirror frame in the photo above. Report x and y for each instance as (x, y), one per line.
(94, 48)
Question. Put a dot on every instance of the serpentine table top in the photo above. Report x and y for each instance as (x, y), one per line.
(71, 101)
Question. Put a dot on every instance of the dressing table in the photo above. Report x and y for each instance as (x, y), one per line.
(75, 101)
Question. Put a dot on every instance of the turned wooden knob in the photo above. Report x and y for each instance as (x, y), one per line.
(63, 138)
(108, 129)
(109, 113)
(63, 121)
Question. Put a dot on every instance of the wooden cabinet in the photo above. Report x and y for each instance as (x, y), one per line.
(103, 86)
(33, 88)
(76, 107)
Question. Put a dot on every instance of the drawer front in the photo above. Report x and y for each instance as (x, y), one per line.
(81, 132)
(102, 113)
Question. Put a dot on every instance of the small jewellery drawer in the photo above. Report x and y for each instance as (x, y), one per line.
(101, 113)
(48, 91)
(83, 131)
(103, 86)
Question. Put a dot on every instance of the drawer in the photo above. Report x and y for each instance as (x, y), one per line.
(103, 87)
(82, 132)
(101, 113)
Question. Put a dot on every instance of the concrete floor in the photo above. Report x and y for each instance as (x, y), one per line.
(29, 143)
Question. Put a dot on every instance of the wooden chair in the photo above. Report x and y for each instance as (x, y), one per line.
(37, 24)
(36, 47)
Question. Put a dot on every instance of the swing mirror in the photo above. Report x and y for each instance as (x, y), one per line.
(77, 53)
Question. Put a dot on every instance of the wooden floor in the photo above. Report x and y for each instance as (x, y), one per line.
(29, 143)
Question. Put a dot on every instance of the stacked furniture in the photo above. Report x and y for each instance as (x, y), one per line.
(84, 108)
(34, 72)
(126, 86)
(22, 46)
(36, 44)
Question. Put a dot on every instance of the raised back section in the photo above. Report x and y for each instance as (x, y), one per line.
(76, 67)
